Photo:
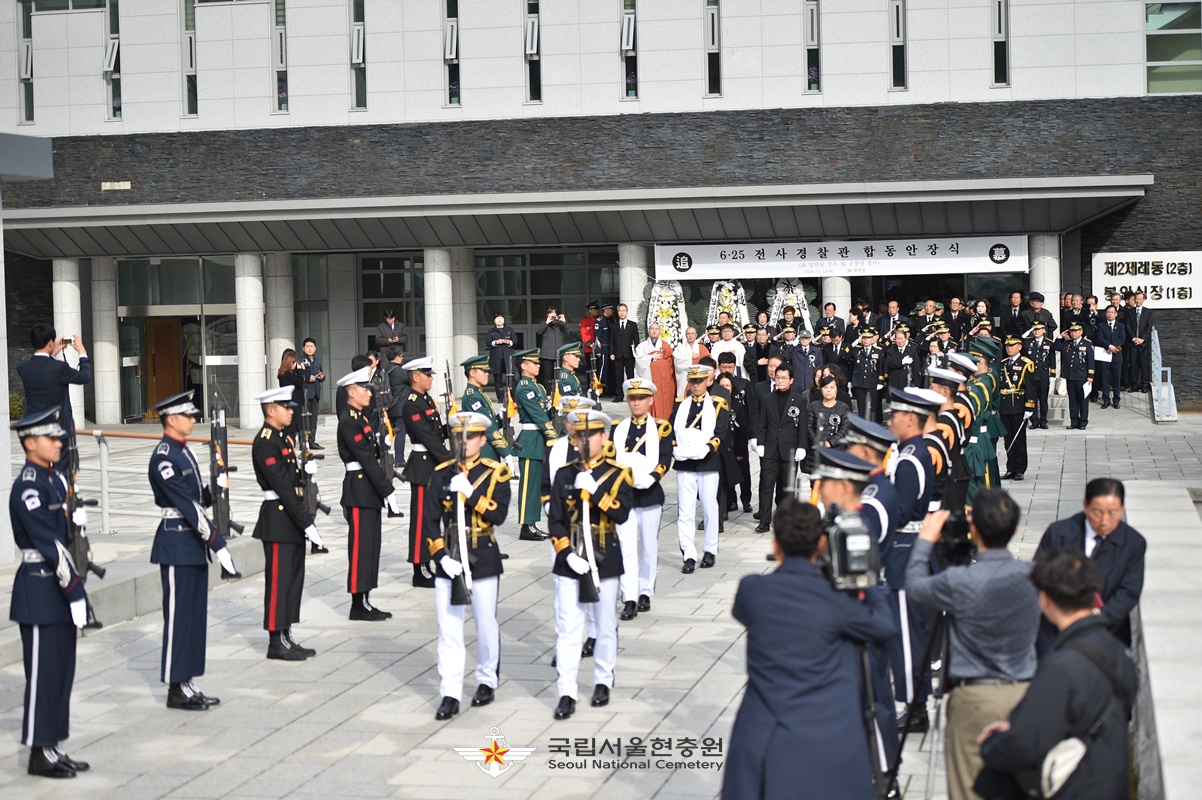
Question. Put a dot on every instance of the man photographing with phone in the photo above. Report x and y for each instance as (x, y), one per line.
(48, 380)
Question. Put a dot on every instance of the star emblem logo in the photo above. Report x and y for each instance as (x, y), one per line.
(494, 752)
(497, 758)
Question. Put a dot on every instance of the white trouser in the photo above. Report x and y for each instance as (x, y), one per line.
(690, 485)
(451, 653)
(649, 547)
(569, 633)
(628, 537)
(589, 614)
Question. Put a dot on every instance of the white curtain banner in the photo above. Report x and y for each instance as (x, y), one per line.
(918, 256)
(1169, 279)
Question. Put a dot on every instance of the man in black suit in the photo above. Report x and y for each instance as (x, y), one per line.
(1012, 315)
(1116, 548)
(48, 380)
(1139, 332)
(624, 334)
(1076, 313)
(782, 431)
(894, 319)
(829, 320)
(866, 316)
(1111, 337)
(742, 414)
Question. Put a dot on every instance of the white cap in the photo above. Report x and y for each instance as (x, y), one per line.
(426, 363)
(282, 395)
(360, 376)
(469, 419)
(639, 386)
(571, 402)
(597, 420)
(949, 376)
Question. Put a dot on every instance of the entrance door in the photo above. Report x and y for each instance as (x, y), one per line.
(163, 373)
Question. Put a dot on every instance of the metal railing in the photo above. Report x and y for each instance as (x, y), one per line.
(1163, 404)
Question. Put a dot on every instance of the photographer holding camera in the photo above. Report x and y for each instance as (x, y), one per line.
(48, 380)
(992, 619)
(798, 725)
(552, 335)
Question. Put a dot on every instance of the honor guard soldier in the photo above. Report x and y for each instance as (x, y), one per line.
(981, 448)
(428, 436)
(365, 491)
(537, 433)
(644, 444)
(953, 420)
(284, 524)
(1040, 350)
(48, 601)
(566, 382)
(476, 400)
(700, 423)
(468, 498)
(1077, 363)
(182, 546)
(590, 498)
(1016, 406)
(867, 360)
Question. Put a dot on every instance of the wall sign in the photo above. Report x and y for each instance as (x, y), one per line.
(919, 256)
(1170, 280)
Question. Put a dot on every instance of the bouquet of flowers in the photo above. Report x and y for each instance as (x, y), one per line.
(667, 308)
(792, 292)
(728, 296)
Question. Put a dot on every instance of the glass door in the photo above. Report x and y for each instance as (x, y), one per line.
(132, 335)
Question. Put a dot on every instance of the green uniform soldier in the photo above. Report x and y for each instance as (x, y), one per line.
(476, 400)
(981, 448)
(536, 435)
(566, 382)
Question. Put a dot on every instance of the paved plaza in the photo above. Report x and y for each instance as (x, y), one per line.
(358, 719)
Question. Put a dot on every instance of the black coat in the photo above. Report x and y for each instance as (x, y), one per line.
(780, 432)
(48, 382)
(285, 518)
(500, 354)
(367, 486)
(1011, 325)
(1136, 329)
(623, 340)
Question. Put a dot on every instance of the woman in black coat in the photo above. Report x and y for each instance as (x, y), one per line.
(500, 342)
(289, 375)
(828, 417)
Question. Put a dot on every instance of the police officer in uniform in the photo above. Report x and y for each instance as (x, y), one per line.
(48, 601)
(1016, 406)
(365, 491)
(1077, 361)
(953, 419)
(479, 487)
(867, 361)
(476, 400)
(283, 525)
(428, 436)
(537, 434)
(183, 544)
(589, 498)
(1040, 351)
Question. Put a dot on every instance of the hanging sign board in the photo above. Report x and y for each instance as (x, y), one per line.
(919, 256)
(1169, 279)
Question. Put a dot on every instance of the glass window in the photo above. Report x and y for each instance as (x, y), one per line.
(281, 89)
(603, 281)
(281, 16)
(1172, 16)
(189, 15)
(219, 280)
(383, 285)
(83, 5)
(193, 105)
(556, 259)
(114, 17)
(1173, 47)
(52, 5)
(221, 339)
(515, 260)
(500, 282)
(150, 282)
(357, 10)
(26, 19)
(27, 101)
(557, 281)
(1175, 79)
(360, 75)
(514, 309)
(452, 9)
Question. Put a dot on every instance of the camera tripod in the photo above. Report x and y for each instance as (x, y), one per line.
(922, 670)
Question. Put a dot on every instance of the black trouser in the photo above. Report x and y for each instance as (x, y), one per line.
(1039, 388)
(546, 374)
(604, 365)
(774, 480)
(49, 674)
(1112, 375)
(1078, 407)
(744, 463)
(1128, 365)
(311, 404)
(1016, 443)
(868, 403)
(623, 369)
(501, 387)
(399, 437)
(284, 574)
(362, 549)
(1141, 367)
(185, 615)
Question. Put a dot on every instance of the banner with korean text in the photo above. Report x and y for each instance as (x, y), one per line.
(1169, 279)
(917, 256)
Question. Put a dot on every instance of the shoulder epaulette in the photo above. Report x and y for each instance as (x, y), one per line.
(503, 472)
(665, 428)
(413, 395)
(29, 474)
(450, 462)
(265, 432)
(721, 404)
(163, 449)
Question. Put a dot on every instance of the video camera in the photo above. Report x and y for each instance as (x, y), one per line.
(851, 561)
(955, 547)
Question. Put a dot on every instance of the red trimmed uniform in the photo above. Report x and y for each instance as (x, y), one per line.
(363, 491)
(428, 438)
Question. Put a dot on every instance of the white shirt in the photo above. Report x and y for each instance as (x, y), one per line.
(1091, 539)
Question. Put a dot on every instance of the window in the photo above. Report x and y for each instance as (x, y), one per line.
(813, 79)
(630, 57)
(26, 54)
(713, 53)
(395, 281)
(359, 54)
(1001, 41)
(279, 57)
(188, 58)
(451, 52)
(113, 81)
(1174, 47)
(534, 70)
(897, 41)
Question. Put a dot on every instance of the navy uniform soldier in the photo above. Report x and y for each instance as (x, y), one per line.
(590, 498)
(182, 546)
(644, 444)
(1077, 363)
(1041, 351)
(700, 423)
(536, 435)
(283, 525)
(48, 601)
(428, 435)
(479, 488)
(365, 491)
(476, 400)
(1016, 405)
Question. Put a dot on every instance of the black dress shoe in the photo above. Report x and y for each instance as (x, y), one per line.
(732, 508)
(565, 708)
(484, 695)
(689, 566)
(307, 652)
(644, 602)
(590, 644)
(1008, 476)
(1018, 477)
(1081, 427)
(629, 610)
(422, 582)
(78, 766)
(395, 514)
(181, 701)
(1105, 404)
(721, 526)
(707, 560)
(531, 534)
(701, 525)
(369, 614)
(282, 652)
(316, 446)
(504, 556)
(314, 550)
(756, 515)
(762, 528)
(747, 507)
(1116, 404)
(1072, 426)
(920, 725)
(600, 695)
(44, 762)
(448, 708)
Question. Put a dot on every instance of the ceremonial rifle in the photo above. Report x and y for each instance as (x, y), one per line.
(511, 408)
(582, 544)
(305, 454)
(77, 535)
(219, 464)
(461, 585)
(384, 401)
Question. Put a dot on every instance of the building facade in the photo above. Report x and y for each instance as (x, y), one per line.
(233, 176)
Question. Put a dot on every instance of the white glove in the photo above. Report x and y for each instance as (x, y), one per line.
(451, 567)
(1027, 415)
(546, 509)
(577, 564)
(799, 454)
(586, 483)
(80, 517)
(645, 481)
(79, 612)
(759, 450)
(223, 480)
(313, 536)
(907, 361)
(462, 484)
(393, 501)
(310, 468)
(880, 386)
(752, 444)
(225, 559)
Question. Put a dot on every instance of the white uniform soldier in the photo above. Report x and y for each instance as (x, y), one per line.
(699, 425)
(644, 444)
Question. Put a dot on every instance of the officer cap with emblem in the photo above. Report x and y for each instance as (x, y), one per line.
(1076, 326)
(281, 396)
(1012, 340)
(869, 434)
(424, 365)
(570, 402)
(479, 361)
(939, 306)
(985, 323)
(945, 377)
(962, 364)
(835, 464)
(570, 349)
(593, 306)
(178, 404)
(713, 329)
(749, 328)
(469, 421)
(527, 355)
(699, 372)
(922, 402)
(984, 347)
(637, 387)
(360, 377)
(591, 420)
(901, 327)
(607, 305)
(39, 423)
(824, 331)
(867, 332)
(803, 334)
(1039, 326)
(941, 328)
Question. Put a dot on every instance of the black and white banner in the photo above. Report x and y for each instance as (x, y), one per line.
(917, 256)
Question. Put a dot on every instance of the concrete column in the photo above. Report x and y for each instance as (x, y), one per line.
(837, 291)
(105, 345)
(68, 319)
(1044, 253)
(463, 307)
(8, 549)
(450, 300)
(252, 361)
(280, 309)
(346, 339)
(635, 265)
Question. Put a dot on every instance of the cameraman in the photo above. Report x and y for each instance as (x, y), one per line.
(48, 381)
(799, 723)
(552, 335)
(993, 617)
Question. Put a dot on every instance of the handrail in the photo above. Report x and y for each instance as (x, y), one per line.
(1162, 403)
(152, 437)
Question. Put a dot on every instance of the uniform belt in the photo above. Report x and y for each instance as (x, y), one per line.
(171, 513)
(353, 466)
(32, 557)
(420, 448)
(955, 682)
(268, 494)
(529, 426)
(911, 527)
